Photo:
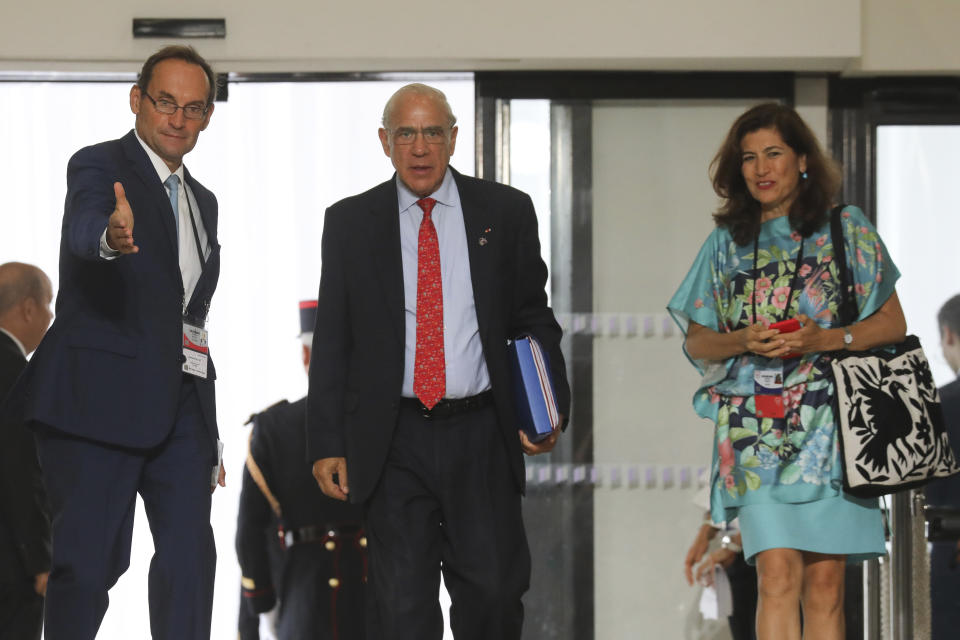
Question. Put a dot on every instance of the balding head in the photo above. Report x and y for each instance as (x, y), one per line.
(419, 90)
(25, 296)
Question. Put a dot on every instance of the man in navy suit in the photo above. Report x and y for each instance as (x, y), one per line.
(424, 279)
(945, 555)
(121, 390)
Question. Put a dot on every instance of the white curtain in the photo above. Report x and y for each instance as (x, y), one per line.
(918, 217)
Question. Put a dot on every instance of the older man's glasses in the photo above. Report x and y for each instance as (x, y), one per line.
(164, 106)
(407, 135)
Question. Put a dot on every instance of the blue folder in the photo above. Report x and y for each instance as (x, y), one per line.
(534, 395)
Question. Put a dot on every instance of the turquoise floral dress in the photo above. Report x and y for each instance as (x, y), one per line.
(782, 476)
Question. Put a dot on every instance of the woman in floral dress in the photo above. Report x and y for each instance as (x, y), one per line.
(776, 465)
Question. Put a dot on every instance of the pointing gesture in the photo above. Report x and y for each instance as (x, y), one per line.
(120, 225)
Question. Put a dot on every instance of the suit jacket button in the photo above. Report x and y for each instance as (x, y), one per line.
(333, 582)
(330, 545)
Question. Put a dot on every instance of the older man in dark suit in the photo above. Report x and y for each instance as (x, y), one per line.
(25, 297)
(410, 410)
(121, 392)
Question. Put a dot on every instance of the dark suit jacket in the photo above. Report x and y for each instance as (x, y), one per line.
(946, 492)
(109, 367)
(356, 370)
(944, 576)
(24, 516)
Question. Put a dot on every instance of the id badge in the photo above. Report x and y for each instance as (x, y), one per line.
(768, 391)
(195, 350)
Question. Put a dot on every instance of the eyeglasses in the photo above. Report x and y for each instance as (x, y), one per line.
(407, 135)
(191, 111)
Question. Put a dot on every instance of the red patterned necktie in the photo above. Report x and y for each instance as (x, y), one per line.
(429, 371)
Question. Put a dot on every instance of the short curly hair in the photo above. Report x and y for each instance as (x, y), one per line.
(740, 213)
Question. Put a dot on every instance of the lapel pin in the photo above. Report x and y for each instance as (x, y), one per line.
(483, 238)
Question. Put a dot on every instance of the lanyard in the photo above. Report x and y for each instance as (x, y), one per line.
(196, 234)
(793, 280)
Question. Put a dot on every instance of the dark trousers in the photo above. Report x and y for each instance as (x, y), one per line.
(92, 488)
(944, 591)
(311, 606)
(21, 612)
(743, 590)
(447, 501)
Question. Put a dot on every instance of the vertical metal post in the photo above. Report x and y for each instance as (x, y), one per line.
(502, 126)
(871, 599)
(492, 145)
(571, 195)
(901, 568)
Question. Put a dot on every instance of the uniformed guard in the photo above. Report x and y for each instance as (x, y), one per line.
(299, 550)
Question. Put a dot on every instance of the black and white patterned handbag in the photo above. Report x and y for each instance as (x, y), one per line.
(887, 408)
(889, 423)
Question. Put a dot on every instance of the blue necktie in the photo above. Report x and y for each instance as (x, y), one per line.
(173, 184)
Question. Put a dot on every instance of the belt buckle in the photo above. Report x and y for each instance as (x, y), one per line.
(287, 539)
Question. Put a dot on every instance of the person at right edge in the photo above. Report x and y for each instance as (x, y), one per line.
(295, 544)
(424, 280)
(945, 554)
(776, 464)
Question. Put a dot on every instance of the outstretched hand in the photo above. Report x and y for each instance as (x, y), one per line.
(120, 225)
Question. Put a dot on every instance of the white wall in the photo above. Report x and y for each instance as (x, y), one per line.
(855, 36)
(293, 35)
(909, 36)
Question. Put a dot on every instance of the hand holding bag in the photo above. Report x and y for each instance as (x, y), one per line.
(887, 408)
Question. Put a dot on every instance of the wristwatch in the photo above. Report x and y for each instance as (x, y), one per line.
(847, 337)
(727, 543)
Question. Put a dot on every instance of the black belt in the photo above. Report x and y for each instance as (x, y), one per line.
(449, 406)
(315, 532)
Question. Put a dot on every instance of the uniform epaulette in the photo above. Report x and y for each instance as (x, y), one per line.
(253, 416)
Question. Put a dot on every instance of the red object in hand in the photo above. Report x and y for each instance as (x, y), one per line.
(787, 326)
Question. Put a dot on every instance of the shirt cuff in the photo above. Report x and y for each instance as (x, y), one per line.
(105, 251)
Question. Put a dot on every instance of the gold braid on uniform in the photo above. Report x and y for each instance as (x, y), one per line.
(257, 476)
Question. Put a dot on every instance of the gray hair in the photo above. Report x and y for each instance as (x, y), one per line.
(422, 90)
(19, 281)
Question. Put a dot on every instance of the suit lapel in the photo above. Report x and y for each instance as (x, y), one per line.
(386, 257)
(482, 246)
(156, 192)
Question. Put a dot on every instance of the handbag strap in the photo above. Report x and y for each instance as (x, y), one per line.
(847, 309)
